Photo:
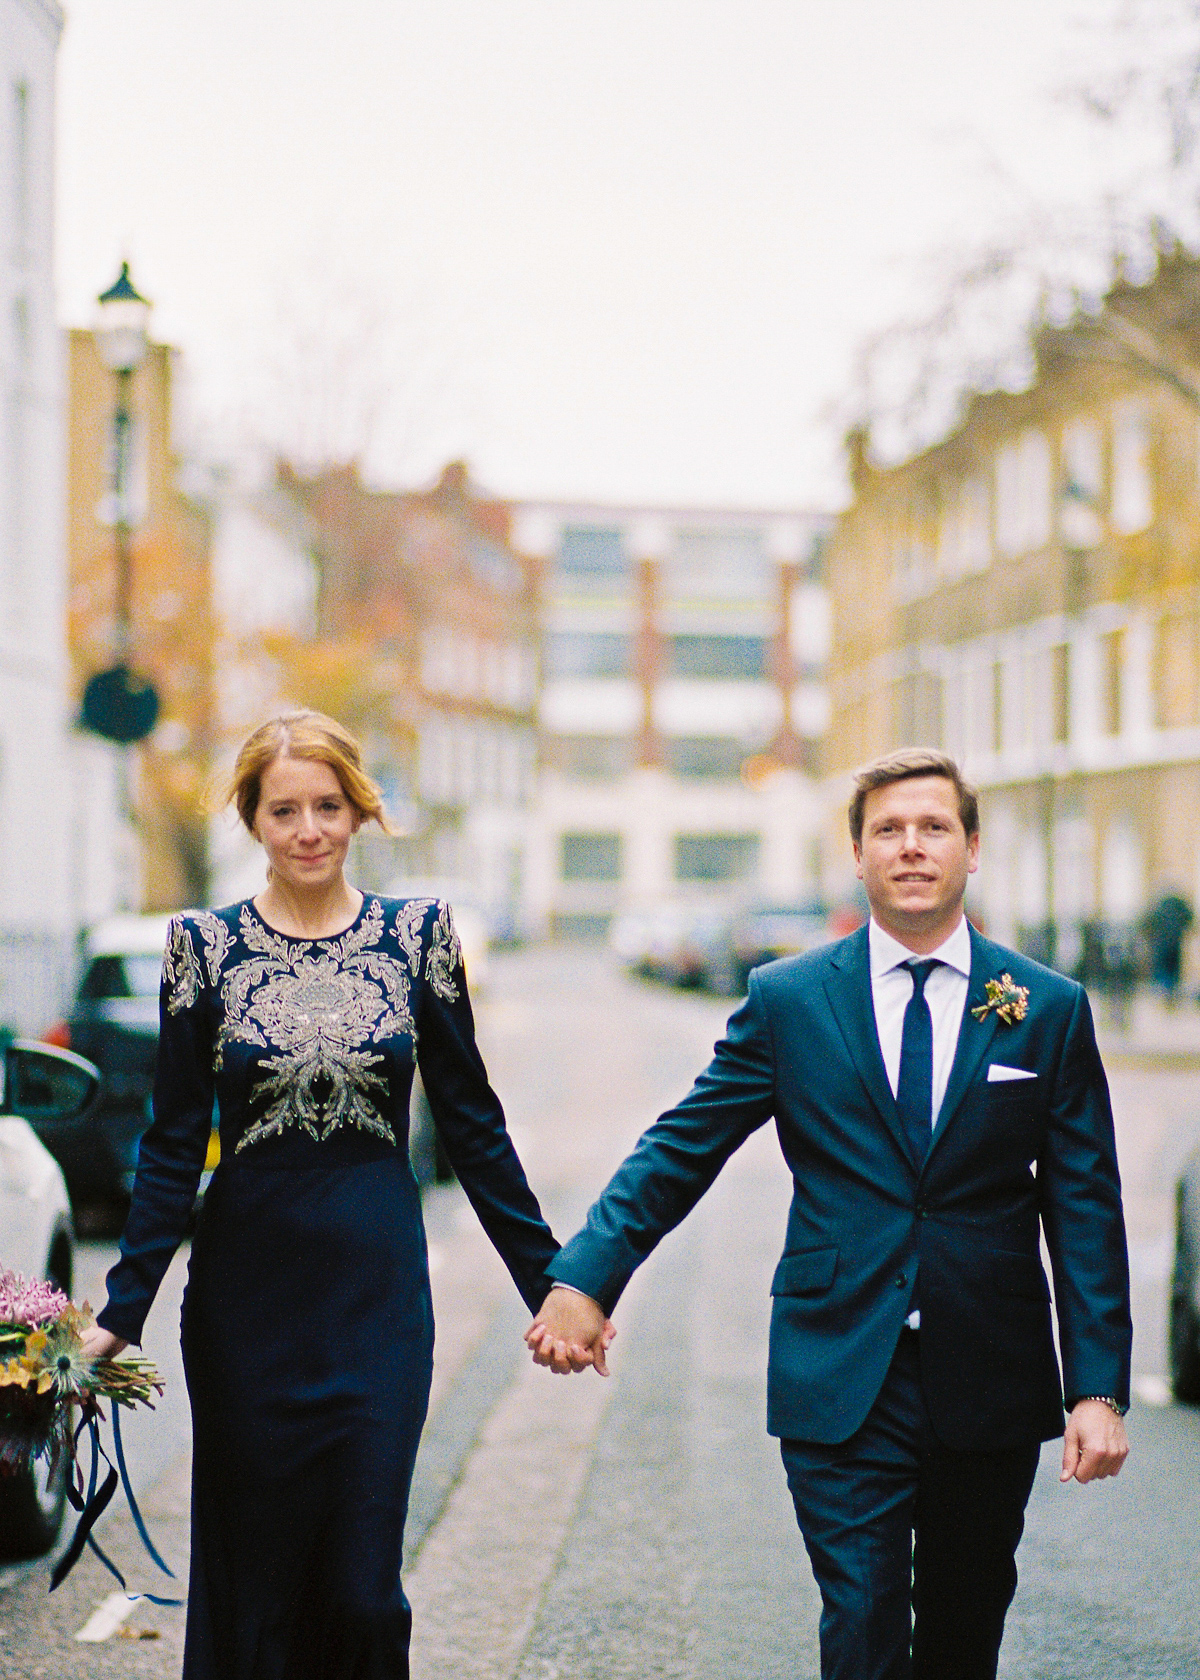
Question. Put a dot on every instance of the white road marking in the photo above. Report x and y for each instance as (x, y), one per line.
(1152, 1391)
(106, 1618)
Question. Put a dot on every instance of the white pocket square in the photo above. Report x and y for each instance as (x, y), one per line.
(998, 1071)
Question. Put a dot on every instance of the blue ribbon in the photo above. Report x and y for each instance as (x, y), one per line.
(92, 1505)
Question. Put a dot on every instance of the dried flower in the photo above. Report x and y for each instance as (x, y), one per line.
(55, 1358)
(1010, 1001)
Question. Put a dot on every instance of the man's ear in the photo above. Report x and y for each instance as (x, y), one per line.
(857, 859)
(972, 852)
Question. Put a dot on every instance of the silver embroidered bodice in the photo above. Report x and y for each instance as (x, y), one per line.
(312, 1036)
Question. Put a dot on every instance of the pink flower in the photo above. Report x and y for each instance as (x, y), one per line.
(29, 1302)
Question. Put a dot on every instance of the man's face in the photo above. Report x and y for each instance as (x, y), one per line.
(915, 856)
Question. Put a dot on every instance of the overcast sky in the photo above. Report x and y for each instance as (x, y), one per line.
(619, 250)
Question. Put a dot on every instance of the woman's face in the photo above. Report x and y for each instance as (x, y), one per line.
(305, 823)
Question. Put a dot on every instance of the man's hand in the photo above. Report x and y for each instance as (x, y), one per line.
(570, 1333)
(1095, 1444)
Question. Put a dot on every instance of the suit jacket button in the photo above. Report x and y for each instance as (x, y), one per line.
(922, 1212)
(901, 1281)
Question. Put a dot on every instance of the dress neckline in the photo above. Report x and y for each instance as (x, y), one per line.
(310, 938)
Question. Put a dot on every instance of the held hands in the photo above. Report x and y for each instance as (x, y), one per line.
(1095, 1444)
(570, 1333)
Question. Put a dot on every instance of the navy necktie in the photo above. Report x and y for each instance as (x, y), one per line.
(914, 1084)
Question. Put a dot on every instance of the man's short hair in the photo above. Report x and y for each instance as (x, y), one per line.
(901, 766)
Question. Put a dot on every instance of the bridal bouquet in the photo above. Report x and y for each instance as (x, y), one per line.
(44, 1373)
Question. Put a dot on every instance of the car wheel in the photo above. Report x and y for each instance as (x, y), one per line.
(32, 1504)
(1184, 1328)
(60, 1268)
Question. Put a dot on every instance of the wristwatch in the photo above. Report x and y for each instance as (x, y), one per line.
(1107, 1400)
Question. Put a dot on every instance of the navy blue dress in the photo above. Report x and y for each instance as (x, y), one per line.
(307, 1320)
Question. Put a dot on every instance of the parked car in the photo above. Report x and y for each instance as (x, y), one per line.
(114, 1023)
(762, 932)
(36, 1240)
(1184, 1327)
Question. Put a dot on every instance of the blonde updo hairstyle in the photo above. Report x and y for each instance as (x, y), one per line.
(313, 736)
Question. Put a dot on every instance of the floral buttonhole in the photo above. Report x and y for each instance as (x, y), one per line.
(1010, 1001)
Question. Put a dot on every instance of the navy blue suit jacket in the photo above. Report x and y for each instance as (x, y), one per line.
(1008, 1160)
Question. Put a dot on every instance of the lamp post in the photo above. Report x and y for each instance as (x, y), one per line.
(118, 704)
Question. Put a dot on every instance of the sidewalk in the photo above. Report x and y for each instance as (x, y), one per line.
(1152, 1029)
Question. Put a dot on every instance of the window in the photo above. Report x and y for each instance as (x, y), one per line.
(964, 534)
(588, 654)
(1132, 504)
(740, 657)
(591, 857)
(495, 567)
(1175, 670)
(715, 857)
(718, 565)
(702, 755)
(590, 551)
(1023, 494)
(592, 756)
(1083, 484)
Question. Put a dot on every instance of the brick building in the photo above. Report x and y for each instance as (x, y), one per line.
(1026, 594)
(422, 636)
(142, 827)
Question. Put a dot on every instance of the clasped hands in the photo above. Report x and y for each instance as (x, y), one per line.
(569, 1333)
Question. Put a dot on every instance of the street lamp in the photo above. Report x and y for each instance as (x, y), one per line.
(117, 704)
(121, 321)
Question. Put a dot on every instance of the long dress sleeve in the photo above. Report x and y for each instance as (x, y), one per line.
(470, 1119)
(172, 1153)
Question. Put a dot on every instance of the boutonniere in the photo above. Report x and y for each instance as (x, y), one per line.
(1010, 1001)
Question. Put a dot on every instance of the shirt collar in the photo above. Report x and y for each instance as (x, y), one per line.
(888, 953)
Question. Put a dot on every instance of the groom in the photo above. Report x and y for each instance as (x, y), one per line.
(941, 1104)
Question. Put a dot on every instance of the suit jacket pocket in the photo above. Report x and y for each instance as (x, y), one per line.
(808, 1273)
(1018, 1274)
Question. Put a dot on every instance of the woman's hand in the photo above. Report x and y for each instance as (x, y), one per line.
(101, 1344)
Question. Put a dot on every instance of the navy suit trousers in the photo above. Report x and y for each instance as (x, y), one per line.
(912, 1544)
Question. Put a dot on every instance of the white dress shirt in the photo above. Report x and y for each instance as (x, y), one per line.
(945, 992)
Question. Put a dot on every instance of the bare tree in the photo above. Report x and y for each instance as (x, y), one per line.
(346, 370)
(1066, 272)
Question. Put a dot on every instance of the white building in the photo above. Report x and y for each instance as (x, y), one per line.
(683, 696)
(38, 888)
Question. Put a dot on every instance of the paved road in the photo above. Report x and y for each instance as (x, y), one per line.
(571, 1528)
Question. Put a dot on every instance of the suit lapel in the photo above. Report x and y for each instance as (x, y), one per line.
(848, 988)
(974, 1037)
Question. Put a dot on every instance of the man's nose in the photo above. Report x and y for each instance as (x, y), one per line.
(912, 839)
